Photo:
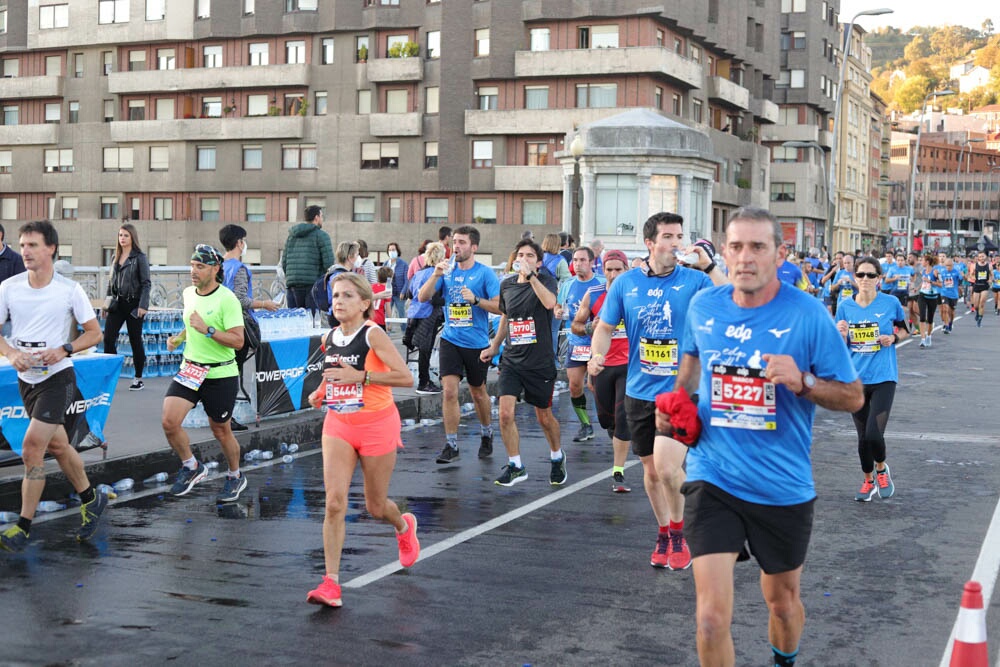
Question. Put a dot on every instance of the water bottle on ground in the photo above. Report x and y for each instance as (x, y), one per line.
(12, 517)
(292, 448)
(283, 448)
(124, 485)
(212, 465)
(107, 490)
(50, 506)
(266, 455)
(158, 478)
(287, 458)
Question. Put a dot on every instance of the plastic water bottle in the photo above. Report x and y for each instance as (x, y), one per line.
(409, 422)
(292, 448)
(9, 517)
(109, 491)
(126, 484)
(516, 267)
(266, 455)
(287, 458)
(158, 478)
(283, 448)
(211, 465)
(50, 506)
(686, 258)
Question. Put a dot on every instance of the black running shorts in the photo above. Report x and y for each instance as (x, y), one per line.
(218, 396)
(49, 400)
(641, 416)
(537, 385)
(463, 362)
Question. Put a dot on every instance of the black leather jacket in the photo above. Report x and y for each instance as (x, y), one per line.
(130, 281)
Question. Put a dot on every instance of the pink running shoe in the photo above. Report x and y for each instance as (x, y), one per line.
(409, 545)
(328, 593)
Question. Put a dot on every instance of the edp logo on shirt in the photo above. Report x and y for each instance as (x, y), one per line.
(741, 333)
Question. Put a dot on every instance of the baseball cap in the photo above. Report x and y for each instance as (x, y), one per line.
(616, 254)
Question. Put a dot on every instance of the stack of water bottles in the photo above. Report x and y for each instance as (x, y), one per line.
(284, 323)
(157, 327)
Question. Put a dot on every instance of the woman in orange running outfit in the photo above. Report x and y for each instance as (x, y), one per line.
(362, 424)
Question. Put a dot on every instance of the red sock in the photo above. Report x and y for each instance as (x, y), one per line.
(664, 530)
(677, 525)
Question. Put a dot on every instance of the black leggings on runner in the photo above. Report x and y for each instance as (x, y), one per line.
(870, 423)
(609, 397)
(927, 306)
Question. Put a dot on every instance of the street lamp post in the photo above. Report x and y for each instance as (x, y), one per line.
(954, 200)
(576, 148)
(831, 188)
(913, 165)
(989, 201)
(829, 201)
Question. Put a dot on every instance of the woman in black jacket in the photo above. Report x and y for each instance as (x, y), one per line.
(128, 299)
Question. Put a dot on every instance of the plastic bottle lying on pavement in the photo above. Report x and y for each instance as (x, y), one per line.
(266, 455)
(109, 491)
(50, 506)
(292, 448)
(9, 517)
(287, 458)
(158, 478)
(211, 465)
(124, 485)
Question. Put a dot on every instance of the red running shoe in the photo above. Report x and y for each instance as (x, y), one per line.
(680, 555)
(328, 593)
(409, 545)
(660, 557)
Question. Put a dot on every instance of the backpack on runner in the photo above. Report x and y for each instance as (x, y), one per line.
(320, 291)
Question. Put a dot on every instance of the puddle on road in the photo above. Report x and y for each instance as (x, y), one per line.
(224, 602)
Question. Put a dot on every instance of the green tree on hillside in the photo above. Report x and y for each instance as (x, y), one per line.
(910, 94)
(918, 48)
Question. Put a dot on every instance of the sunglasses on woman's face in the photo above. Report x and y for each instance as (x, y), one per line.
(862, 274)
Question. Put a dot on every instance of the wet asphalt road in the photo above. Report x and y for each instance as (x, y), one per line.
(179, 581)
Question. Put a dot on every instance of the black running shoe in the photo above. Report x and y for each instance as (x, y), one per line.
(485, 446)
(90, 514)
(511, 475)
(558, 476)
(186, 479)
(448, 455)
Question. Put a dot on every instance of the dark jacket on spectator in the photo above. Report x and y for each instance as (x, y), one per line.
(11, 263)
(308, 254)
(130, 281)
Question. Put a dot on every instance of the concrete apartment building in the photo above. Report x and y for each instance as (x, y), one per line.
(183, 115)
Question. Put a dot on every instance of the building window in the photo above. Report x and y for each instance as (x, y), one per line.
(118, 159)
(435, 210)
(783, 154)
(540, 39)
(789, 6)
(537, 153)
(484, 211)
(617, 202)
(70, 208)
(109, 208)
(258, 54)
(256, 209)
(697, 111)
(77, 65)
(596, 95)
(11, 67)
(3, 20)
(58, 159)
(107, 62)
(659, 38)
(298, 156)
(210, 209)
(164, 109)
(136, 61)
(430, 155)
(695, 53)
(676, 104)
(397, 101)
(604, 37)
(11, 115)
(206, 158)
(253, 158)
(156, 10)
(137, 109)
(166, 59)
(658, 98)
(203, 9)
(380, 155)
(6, 162)
(74, 112)
(433, 44)
(797, 78)
(482, 154)
(782, 191)
(533, 212)
(293, 103)
(53, 112)
(163, 208)
(211, 56)
(364, 102)
(364, 209)
(489, 97)
(361, 42)
(483, 42)
(53, 66)
(109, 110)
(50, 16)
(320, 103)
(8, 208)
(295, 52)
(432, 96)
(536, 97)
(112, 11)
(327, 51)
(211, 107)
(256, 105)
(394, 42)
(159, 158)
(301, 5)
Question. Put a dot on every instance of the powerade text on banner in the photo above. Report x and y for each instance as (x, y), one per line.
(288, 370)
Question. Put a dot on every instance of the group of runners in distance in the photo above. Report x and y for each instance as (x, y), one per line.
(710, 374)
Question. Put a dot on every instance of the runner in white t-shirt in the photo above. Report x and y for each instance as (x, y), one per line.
(41, 306)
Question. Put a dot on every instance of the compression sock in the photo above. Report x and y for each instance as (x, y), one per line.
(782, 659)
(24, 524)
(451, 439)
(580, 408)
(87, 495)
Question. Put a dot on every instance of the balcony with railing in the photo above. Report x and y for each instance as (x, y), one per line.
(395, 69)
(723, 91)
(534, 121)
(395, 124)
(629, 60)
(29, 135)
(208, 78)
(209, 129)
(27, 87)
(528, 178)
(765, 111)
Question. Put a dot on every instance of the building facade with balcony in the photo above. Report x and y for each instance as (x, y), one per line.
(183, 115)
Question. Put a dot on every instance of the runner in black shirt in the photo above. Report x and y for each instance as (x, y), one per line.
(528, 363)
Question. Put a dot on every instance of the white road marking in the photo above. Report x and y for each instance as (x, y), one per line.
(476, 531)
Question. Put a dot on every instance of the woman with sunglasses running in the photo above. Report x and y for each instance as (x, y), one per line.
(872, 323)
(360, 367)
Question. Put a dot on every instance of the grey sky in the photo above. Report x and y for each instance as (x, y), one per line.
(909, 13)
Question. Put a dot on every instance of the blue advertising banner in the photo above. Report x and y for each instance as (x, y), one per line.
(288, 370)
(96, 379)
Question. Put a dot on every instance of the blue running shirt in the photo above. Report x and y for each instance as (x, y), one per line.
(756, 437)
(466, 325)
(874, 363)
(950, 280)
(654, 310)
(579, 346)
(898, 278)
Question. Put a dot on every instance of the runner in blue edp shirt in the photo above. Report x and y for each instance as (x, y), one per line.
(761, 355)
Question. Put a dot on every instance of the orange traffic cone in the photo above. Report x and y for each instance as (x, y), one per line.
(969, 649)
